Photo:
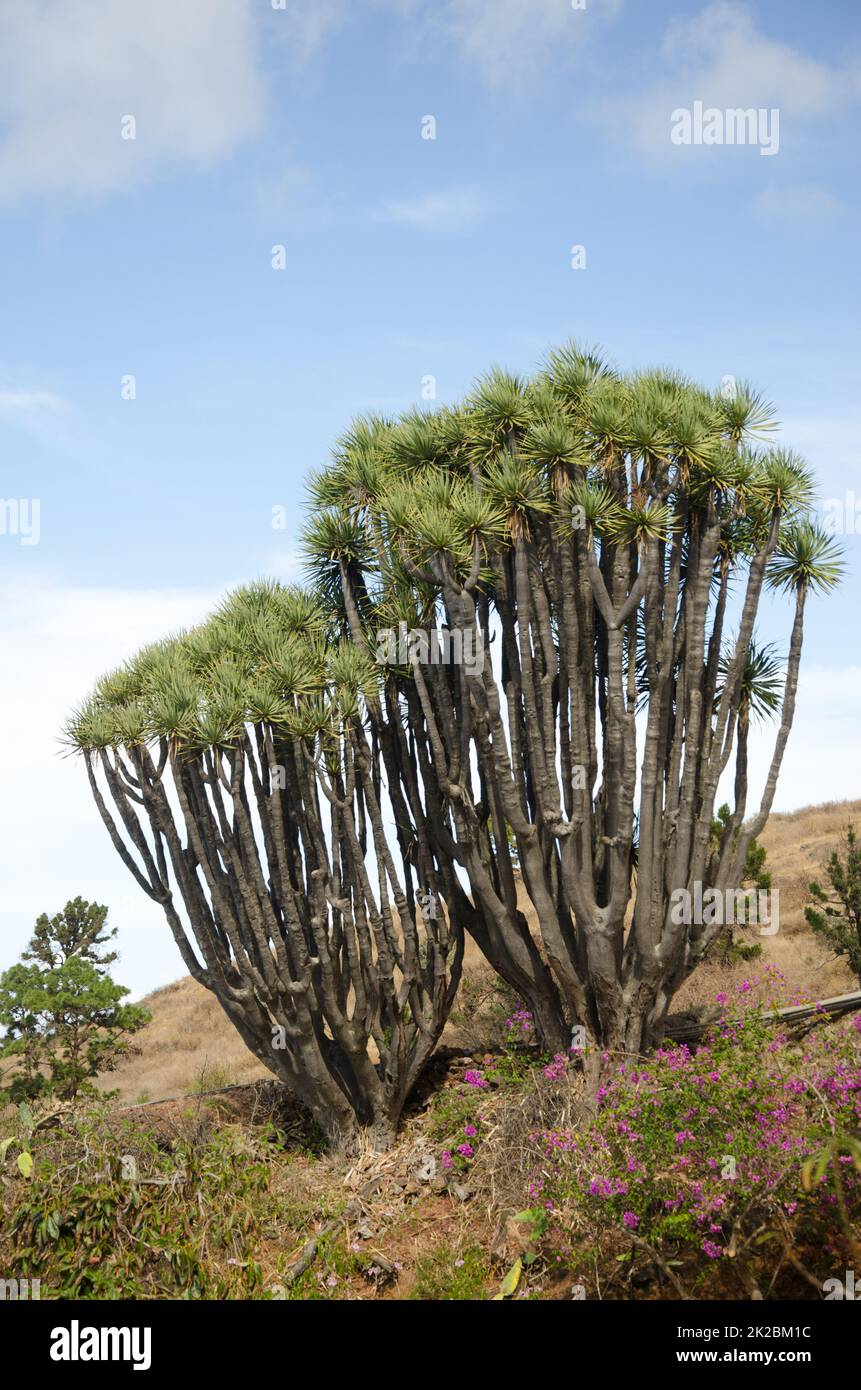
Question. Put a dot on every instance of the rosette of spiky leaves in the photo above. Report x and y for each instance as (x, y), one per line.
(254, 619)
(289, 667)
(407, 605)
(351, 679)
(695, 432)
(314, 718)
(556, 447)
(118, 711)
(573, 373)
(519, 492)
(422, 440)
(90, 728)
(126, 683)
(782, 481)
(361, 460)
(747, 465)
(761, 681)
(499, 411)
(222, 706)
(333, 538)
(592, 503)
(745, 413)
(175, 699)
(432, 517)
(638, 525)
(648, 438)
(806, 559)
(452, 424)
(714, 477)
(480, 517)
(608, 420)
(260, 651)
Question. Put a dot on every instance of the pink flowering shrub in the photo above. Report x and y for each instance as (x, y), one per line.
(702, 1149)
(519, 1025)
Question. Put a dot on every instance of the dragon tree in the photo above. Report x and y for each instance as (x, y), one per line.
(245, 777)
(600, 545)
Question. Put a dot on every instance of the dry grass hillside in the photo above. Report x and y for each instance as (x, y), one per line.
(190, 1044)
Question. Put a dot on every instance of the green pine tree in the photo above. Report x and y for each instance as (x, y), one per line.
(63, 1016)
(840, 922)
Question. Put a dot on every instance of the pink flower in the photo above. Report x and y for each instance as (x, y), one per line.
(465, 1150)
(631, 1220)
(713, 1251)
(556, 1068)
(470, 1131)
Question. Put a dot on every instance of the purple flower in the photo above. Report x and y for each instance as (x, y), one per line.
(470, 1131)
(556, 1068)
(631, 1220)
(465, 1150)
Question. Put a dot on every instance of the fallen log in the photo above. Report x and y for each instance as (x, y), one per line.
(688, 1027)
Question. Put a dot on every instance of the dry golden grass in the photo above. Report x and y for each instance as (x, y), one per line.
(798, 846)
(189, 1033)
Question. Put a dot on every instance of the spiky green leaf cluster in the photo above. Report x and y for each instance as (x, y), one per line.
(266, 655)
(639, 454)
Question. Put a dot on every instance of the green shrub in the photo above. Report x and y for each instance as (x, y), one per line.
(712, 1157)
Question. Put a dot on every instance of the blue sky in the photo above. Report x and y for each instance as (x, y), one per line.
(405, 257)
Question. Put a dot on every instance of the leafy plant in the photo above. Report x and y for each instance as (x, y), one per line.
(64, 1017)
(704, 1160)
(837, 915)
(444, 1275)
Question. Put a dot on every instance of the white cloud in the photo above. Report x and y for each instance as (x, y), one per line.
(18, 403)
(447, 211)
(797, 203)
(304, 25)
(823, 753)
(287, 564)
(504, 41)
(721, 58)
(56, 642)
(187, 73)
(507, 39)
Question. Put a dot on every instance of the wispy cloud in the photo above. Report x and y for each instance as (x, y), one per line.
(302, 26)
(449, 210)
(57, 640)
(287, 564)
(506, 42)
(188, 74)
(723, 59)
(27, 403)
